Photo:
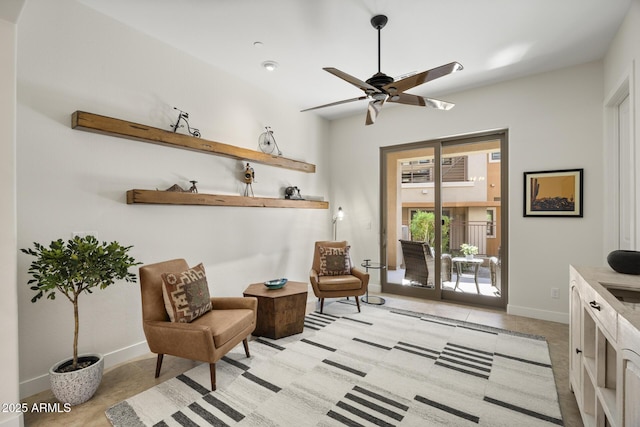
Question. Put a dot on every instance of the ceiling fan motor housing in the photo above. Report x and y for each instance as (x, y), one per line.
(380, 79)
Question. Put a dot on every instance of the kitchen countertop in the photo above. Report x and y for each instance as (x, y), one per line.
(599, 278)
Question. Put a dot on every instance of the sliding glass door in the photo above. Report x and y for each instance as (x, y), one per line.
(443, 216)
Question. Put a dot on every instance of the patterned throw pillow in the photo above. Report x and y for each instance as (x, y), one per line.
(334, 261)
(186, 294)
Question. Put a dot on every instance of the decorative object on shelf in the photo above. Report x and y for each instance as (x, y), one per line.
(71, 268)
(176, 188)
(185, 116)
(624, 261)
(89, 122)
(193, 188)
(276, 283)
(267, 142)
(337, 217)
(249, 178)
(292, 193)
(468, 250)
(556, 193)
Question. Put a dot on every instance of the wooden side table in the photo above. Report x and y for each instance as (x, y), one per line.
(280, 311)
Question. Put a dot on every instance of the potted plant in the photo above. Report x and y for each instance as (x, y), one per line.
(468, 250)
(71, 268)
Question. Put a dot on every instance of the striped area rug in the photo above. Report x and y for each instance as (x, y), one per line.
(381, 367)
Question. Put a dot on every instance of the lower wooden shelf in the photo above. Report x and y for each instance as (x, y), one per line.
(156, 197)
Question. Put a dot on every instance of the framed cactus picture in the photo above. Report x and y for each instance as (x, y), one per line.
(555, 193)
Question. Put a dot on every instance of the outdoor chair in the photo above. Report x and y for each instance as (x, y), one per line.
(419, 260)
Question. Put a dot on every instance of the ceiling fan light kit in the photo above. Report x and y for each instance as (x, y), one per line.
(381, 88)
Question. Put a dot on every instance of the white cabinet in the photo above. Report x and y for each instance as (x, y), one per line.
(604, 371)
(631, 388)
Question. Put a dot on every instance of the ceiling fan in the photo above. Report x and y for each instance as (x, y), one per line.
(381, 88)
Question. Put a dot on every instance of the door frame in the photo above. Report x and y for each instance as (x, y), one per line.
(436, 294)
(624, 88)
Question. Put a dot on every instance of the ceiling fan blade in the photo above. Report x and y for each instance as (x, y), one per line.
(420, 101)
(360, 98)
(423, 77)
(366, 87)
(438, 104)
(373, 109)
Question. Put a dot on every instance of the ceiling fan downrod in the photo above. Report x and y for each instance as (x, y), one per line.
(379, 79)
(378, 22)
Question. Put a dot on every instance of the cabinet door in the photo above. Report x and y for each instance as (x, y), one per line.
(575, 344)
(631, 388)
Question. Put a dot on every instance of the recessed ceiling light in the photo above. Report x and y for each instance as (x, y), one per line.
(270, 65)
(258, 44)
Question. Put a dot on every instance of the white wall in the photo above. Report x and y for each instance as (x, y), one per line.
(554, 121)
(622, 68)
(73, 58)
(8, 256)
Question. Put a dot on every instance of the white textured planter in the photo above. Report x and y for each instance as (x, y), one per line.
(469, 257)
(78, 386)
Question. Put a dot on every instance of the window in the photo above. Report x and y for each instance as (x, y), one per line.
(491, 222)
(454, 169)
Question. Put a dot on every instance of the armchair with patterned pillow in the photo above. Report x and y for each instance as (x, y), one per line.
(179, 317)
(332, 274)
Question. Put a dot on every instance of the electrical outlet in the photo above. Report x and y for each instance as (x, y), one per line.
(555, 293)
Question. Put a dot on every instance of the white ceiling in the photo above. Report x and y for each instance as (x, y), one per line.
(494, 40)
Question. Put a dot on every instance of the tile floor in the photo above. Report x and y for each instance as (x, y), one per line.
(133, 377)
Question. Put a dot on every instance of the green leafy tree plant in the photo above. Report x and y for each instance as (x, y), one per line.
(76, 266)
(423, 228)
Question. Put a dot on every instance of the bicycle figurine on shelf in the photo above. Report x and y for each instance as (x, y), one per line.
(267, 142)
(185, 116)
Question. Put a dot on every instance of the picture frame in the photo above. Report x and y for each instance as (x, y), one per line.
(554, 193)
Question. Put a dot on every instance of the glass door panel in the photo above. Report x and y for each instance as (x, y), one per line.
(471, 228)
(409, 234)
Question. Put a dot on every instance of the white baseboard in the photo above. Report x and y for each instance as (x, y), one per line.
(14, 420)
(553, 316)
(41, 383)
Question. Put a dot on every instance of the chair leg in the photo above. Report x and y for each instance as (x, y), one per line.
(246, 347)
(321, 304)
(358, 303)
(159, 364)
(212, 369)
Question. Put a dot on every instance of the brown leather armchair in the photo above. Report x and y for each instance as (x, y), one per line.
(207, 338)
(336, 286)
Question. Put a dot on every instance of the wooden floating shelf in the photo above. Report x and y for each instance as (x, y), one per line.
(156, 197)
(107, 125)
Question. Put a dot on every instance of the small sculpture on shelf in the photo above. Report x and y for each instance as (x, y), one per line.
(176, 188)
(249, 177)
(292, 193)
(267, 142)
(184, 116)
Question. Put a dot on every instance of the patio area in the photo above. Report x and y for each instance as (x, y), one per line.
(466, 284)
